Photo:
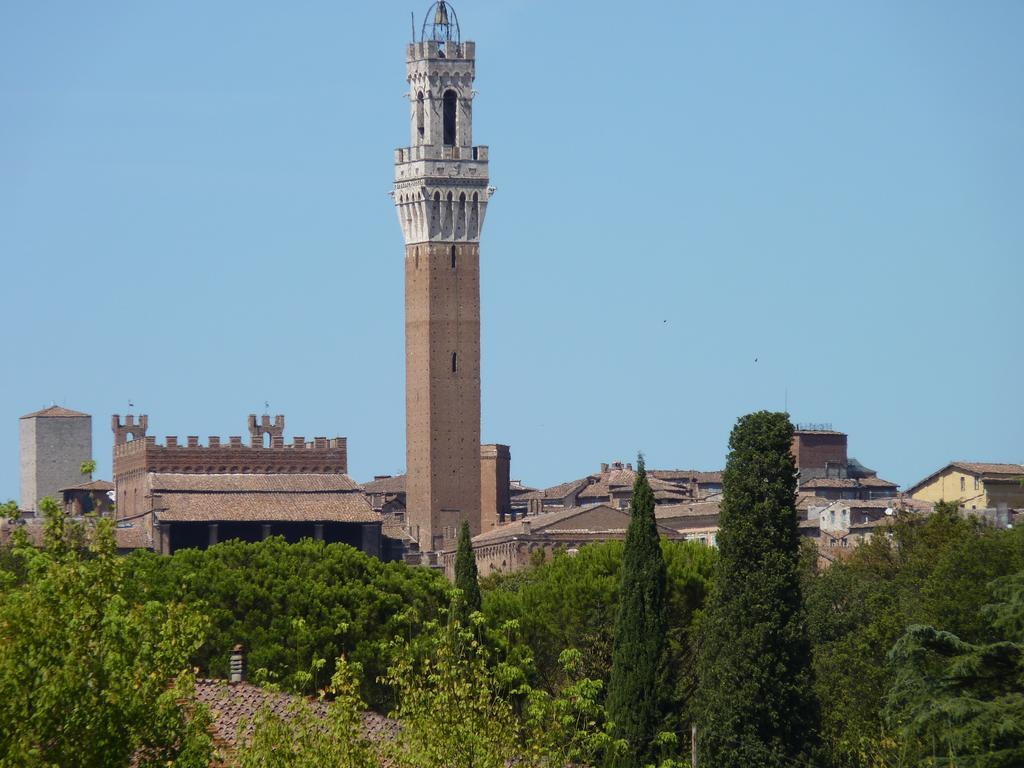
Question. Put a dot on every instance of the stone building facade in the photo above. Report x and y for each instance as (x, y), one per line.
(441, 193)
(183, 494)
(54, 443)
(517, 545)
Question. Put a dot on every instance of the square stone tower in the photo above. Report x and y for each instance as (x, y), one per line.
(441, 193)
(54, 443)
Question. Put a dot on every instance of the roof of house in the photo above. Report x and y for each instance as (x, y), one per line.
(988, 468)
(251, 483)
(896, 502)
(264, 507)
(562, 490)
(847, 482)
(692, 509)
(972, 468)
(92, 485)
(539, 524)
(805, 501)
(392, 484)
(55, 412)
(133, 534)
(678, 476)
(234, 704)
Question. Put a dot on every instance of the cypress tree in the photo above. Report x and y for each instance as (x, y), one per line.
(755, 702)
(466, 573)
(634, 701)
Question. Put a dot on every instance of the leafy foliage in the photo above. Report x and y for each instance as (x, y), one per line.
(85, 674)
(755, 697)
(459, 705)
(571, 602)
(638, 654)
(932, 571)
(304, 740)
(293, 604)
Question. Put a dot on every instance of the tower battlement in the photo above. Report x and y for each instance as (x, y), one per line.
(451, 51)
(128, 429)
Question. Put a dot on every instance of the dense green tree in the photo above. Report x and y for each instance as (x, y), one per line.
(293, 605)
(638, 653)
(956, 703)
(85, 674)
(930, 570)
(570, 602)
(756, 706)
(465, 571)
(461, 705)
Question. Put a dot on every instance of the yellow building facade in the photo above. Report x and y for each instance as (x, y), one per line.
(974, 485)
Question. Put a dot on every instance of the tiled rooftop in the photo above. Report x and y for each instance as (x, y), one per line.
(55, 412)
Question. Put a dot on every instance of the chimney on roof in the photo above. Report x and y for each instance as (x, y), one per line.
(629, 466)
(604, 468)
(238, 664)
(526, 526)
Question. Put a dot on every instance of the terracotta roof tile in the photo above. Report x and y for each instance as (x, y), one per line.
(985, 468)
(345, 507)
(693, 509)
(232, 704)
(847, 482)
(805, 501)
(55, 412)
(94, 485)
(133, 534)
(251, 483)
(564, 489)
(395, 484)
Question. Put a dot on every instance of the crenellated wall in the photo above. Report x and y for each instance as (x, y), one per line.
(135, 459)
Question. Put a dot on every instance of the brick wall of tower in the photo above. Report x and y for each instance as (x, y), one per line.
(495, 473)
(442, 406)
(819, 453)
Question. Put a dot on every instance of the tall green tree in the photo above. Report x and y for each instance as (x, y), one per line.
(634, 704)
(756, 707)
(466, 572)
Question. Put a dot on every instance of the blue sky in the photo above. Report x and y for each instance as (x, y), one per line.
(194, 216)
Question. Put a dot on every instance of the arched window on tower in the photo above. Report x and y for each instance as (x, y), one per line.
(419, 115)
(449, 105)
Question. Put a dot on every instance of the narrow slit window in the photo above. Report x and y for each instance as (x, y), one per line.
(453, 257)
(419, 114)
(450, 102)
(455, 362)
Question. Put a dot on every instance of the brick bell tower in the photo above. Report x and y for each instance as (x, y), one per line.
(441, 192)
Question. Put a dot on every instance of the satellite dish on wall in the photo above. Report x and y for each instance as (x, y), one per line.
(888, 511)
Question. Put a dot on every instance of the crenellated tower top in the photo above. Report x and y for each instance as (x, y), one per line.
(441, 183)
